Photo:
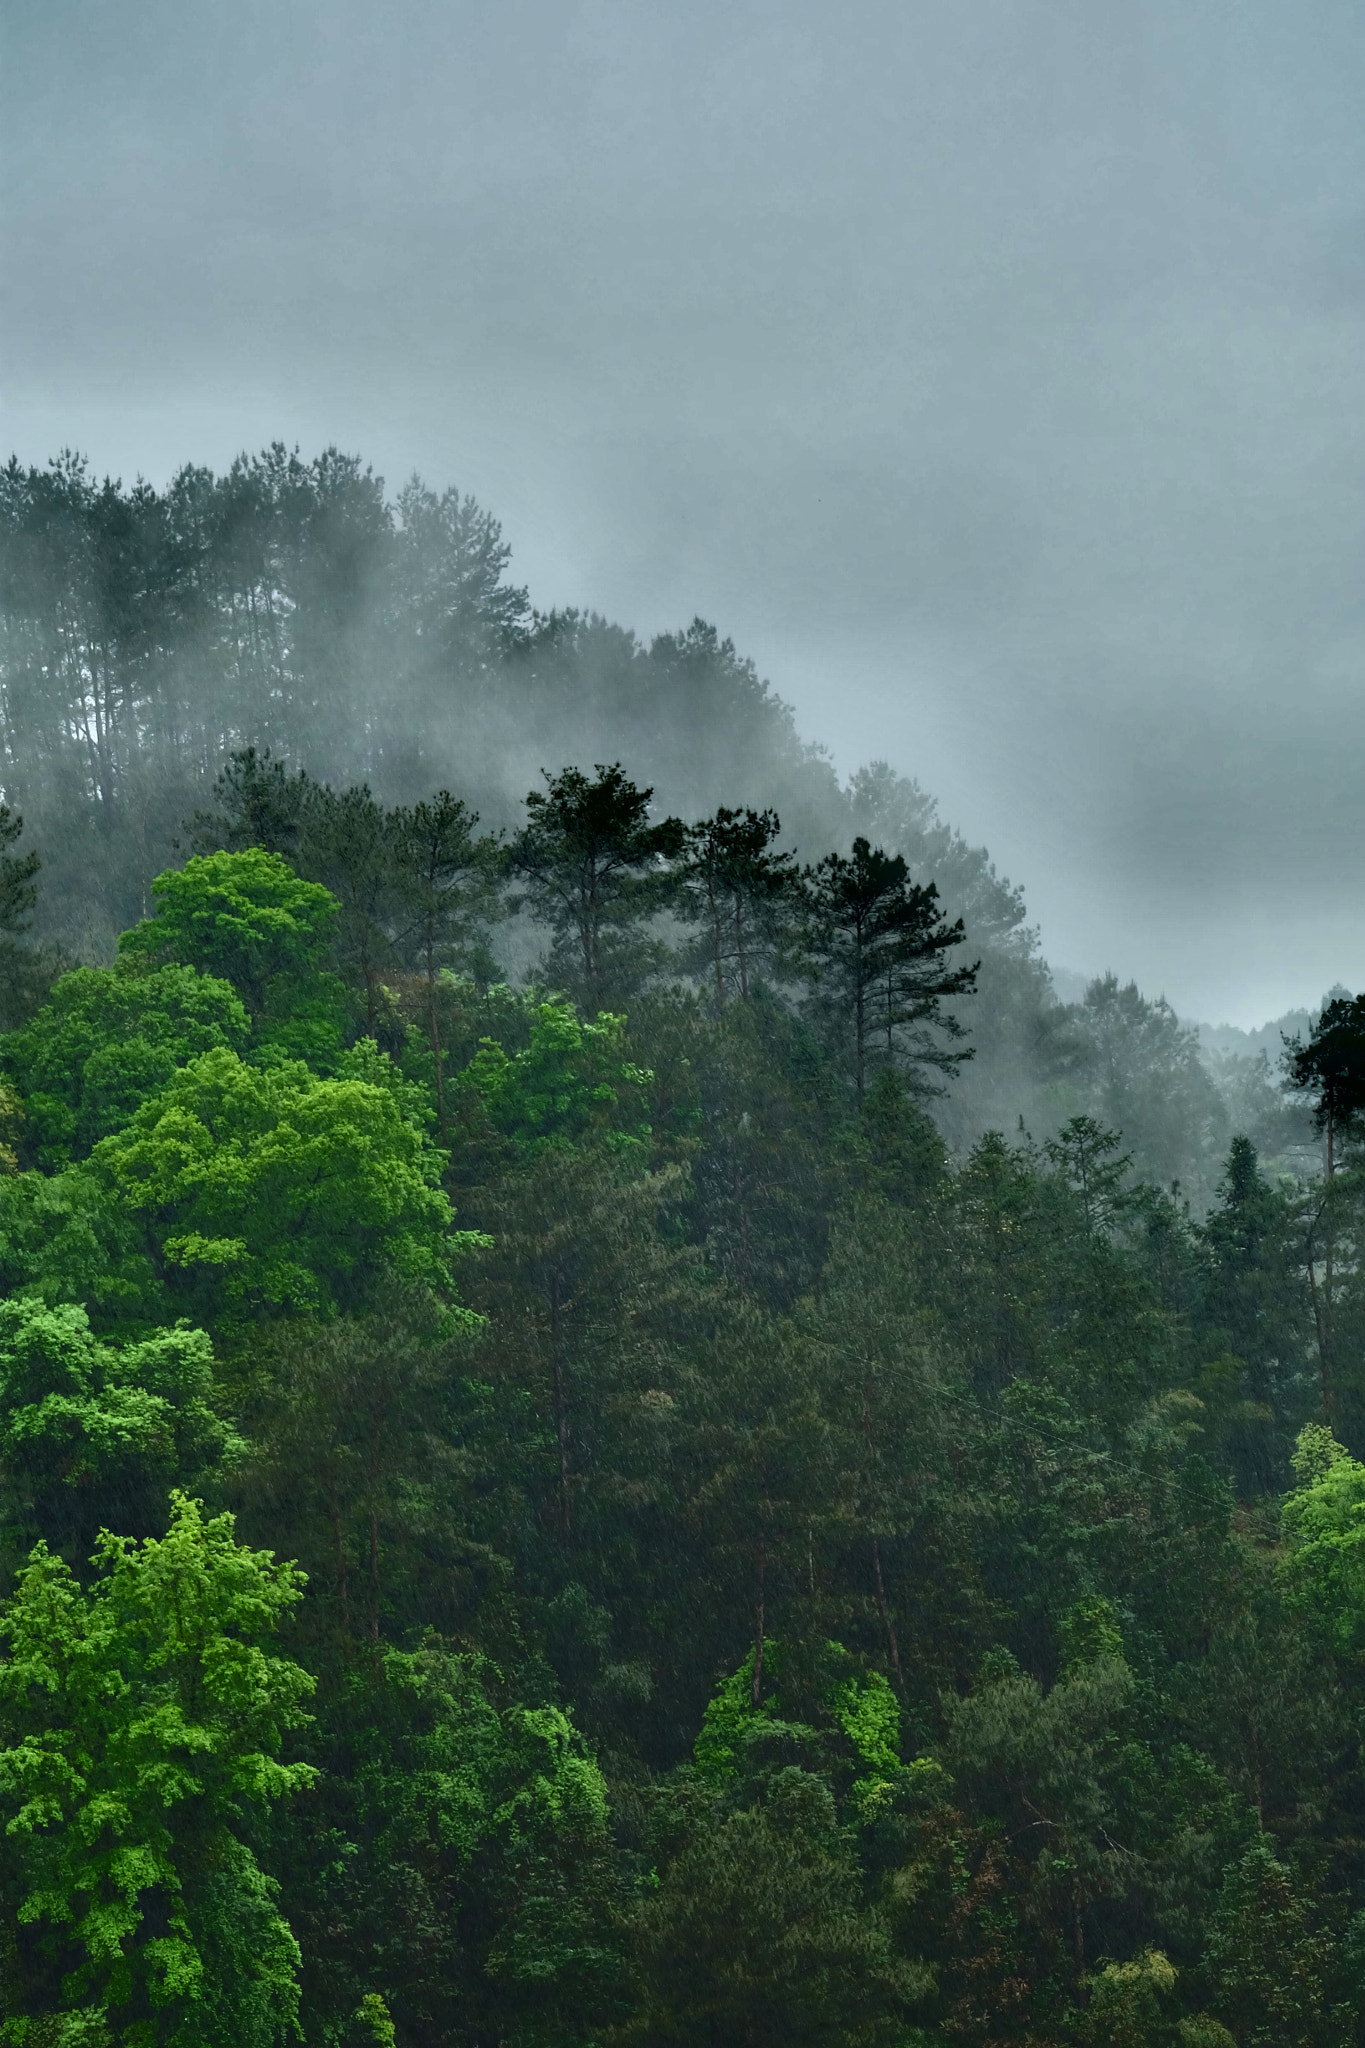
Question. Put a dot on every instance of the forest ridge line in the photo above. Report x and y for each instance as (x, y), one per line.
(290, 606)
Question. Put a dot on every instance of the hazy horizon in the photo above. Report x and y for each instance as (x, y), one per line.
(993, 379)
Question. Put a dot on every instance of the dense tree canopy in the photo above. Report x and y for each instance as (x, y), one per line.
(571, 1473)
(143, 1717)
(760, 1577)
(104, 1041)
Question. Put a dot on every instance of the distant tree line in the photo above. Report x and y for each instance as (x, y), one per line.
(858, 944)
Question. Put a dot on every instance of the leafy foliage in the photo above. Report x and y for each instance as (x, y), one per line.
(571, 1077)
(816, 1579)
(488, 1886)
(245, 917)
(89, 1430)
(104, 1042)
(276, 1189)
(141, 1716)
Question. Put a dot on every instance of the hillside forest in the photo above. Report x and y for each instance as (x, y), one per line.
(615, 1426)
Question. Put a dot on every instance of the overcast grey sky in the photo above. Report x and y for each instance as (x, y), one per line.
(992, 370)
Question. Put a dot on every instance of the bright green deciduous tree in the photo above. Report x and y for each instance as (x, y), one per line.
(1324, 1521)
(570, 1081)
(245, 916)
(91, 1430)
(106, 1040)
(141, 1717)
(870, 1716)
(732, 1716)
(864, 1709)
(1124, 2009)
(61, 1237)
(274, 1189)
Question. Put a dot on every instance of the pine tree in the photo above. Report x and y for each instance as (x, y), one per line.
(593, 869)
(734, 887)
(1330, 1069)
(446, 893)
(878, 946)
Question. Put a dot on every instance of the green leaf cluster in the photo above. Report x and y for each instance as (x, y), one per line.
(106, 1040)
(141, 1715)
(572, 1080)
(276, 1188)
(244, 917)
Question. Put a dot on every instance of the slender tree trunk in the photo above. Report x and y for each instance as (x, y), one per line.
(859, 1008)
(343, 1580)
(374, 1575)
(372, 1483)
(367, 970)
(883, 1604)
(742, 1262)
(439, 1056)
(1327, 1263)
(562, 1425)
(887, 1623)
(718, 955)
(739, 948)
(592, 936)
(436, 1035)
(1321, 1315)
(758, 1617)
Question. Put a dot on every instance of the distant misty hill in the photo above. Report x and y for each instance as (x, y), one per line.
(1267, 1038)
(290, 605)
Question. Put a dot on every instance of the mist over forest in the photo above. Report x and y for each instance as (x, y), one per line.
(617, 1426)
(380, 640)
